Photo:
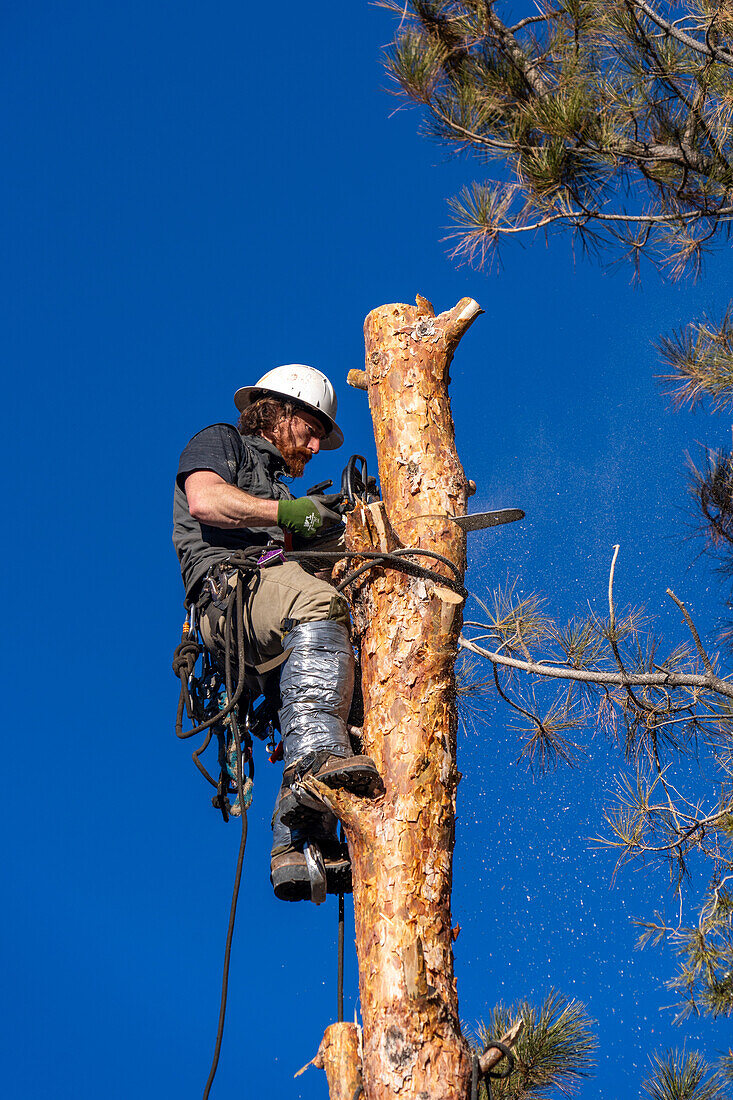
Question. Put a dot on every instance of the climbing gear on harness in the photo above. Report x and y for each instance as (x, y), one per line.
(303, 385)
(243, 799)
(357, 774)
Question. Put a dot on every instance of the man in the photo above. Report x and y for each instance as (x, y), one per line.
(230, 496)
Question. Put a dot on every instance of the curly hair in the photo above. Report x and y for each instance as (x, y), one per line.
(264, 414)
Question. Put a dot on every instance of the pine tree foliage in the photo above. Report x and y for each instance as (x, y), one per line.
(699, 359)
(664, 709)
(726, 1067)
(612, 119)
(609, 673)
(699, 365)
(705, 978)
(680, 1076)
(553, 1054)
(711, 488)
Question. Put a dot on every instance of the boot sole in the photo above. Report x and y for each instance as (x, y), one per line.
(362, 781)
(293, 883)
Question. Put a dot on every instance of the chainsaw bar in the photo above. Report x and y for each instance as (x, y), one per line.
(479, 520)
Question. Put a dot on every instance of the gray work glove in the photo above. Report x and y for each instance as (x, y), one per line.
(331, 501)
(306, 515)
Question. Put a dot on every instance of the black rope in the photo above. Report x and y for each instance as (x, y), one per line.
(227, 953)
(477, 1076)
(187, 653)
(243, 840)
(340, 965)
(475, 1069)
(392, 558)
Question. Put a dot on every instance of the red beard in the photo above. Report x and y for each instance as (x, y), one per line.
(295, 457)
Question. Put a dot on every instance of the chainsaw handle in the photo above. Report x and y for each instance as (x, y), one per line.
(354, 479)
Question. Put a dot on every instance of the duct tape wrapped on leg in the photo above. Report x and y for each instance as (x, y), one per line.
(290, 611)
(316, 686)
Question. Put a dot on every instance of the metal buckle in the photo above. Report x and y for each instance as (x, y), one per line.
(316, 871)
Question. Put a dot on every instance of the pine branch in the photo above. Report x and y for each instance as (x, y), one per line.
(554, 1052)
(611, 121)
(681, 1076)
(704, 47)
(645, 679)
(509, 45)
(700, 362)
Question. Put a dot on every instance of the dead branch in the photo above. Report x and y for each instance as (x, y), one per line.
(708, 681)
(492, 1056)
(696, 637)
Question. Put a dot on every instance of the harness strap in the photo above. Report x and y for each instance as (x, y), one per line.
(274, 662)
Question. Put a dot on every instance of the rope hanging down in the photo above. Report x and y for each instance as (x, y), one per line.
(234, 726)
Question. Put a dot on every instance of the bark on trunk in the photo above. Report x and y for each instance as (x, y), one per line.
(402, 845)
(339, 1055)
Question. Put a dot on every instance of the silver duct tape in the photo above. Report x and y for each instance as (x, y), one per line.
(316, 685)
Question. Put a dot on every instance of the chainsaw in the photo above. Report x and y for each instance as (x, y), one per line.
(357, 485)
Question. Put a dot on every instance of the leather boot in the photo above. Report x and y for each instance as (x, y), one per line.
(291, 881)
(357, 774)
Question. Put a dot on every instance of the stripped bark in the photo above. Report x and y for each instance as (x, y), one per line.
(340, 1056)
(407, 629)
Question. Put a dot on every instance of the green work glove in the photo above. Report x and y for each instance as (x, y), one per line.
(305, 516)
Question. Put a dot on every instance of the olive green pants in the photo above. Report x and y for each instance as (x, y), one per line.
(275, 598)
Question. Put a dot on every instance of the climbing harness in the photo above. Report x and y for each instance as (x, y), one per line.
(477, 1076)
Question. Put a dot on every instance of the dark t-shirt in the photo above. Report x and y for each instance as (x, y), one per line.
(252, 464)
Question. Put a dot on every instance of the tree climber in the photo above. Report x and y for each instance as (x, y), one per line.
(230, 496)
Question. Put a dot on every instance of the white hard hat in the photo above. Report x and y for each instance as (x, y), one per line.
(305, 386)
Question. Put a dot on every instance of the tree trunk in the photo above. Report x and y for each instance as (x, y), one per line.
(339, 1055)
(402, 844)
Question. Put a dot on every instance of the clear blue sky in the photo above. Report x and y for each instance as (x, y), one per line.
(193, 194)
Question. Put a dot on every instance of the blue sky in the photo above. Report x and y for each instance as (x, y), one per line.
(192, 195)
